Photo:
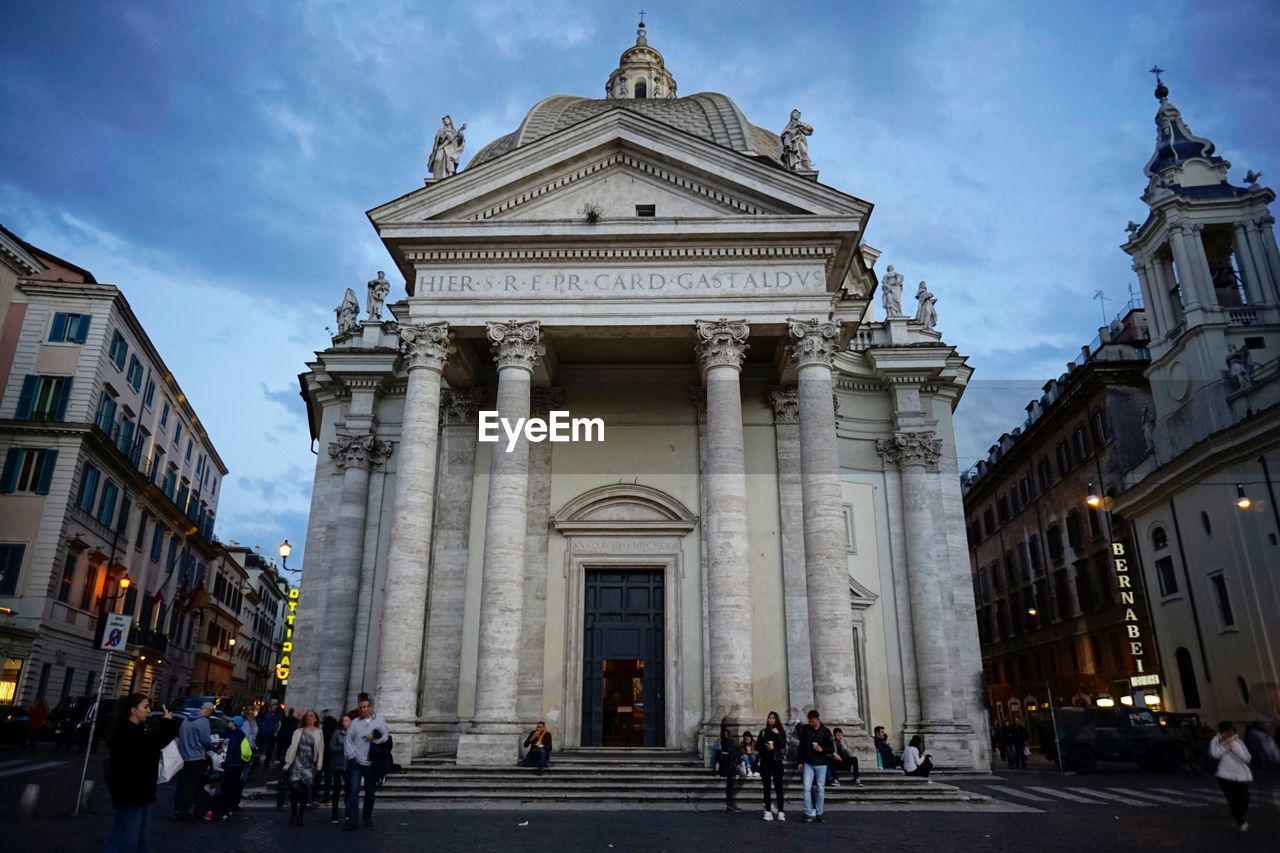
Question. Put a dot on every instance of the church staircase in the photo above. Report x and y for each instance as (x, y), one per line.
(653, 778)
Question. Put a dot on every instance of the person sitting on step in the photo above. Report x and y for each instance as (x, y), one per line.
(750, 758)
(915, 761)
(842, 760)
(539, 745)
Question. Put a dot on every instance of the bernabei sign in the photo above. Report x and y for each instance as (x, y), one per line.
(1125, 583)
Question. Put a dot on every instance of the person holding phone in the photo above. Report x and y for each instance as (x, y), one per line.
(1233, 773)
(366, 729)
(132, 770)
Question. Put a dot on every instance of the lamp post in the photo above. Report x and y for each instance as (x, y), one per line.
(285, 550)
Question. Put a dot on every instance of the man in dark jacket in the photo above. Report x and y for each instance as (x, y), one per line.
(233, 765)
(132, 771)
(816, 748)
(884, 749)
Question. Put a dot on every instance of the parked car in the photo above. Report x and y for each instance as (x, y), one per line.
(1088, 735)
(13, 724)
(191, 705)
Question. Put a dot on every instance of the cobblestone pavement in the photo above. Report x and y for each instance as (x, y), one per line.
(1033, 812)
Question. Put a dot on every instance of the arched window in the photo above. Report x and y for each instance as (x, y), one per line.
(1159, 539)
(1187, 676)
(642, 90)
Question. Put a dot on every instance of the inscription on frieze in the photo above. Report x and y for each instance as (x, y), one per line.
(624, 545)
(665, 281)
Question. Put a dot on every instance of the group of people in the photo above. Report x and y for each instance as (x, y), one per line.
(821, 755)
(315, 764)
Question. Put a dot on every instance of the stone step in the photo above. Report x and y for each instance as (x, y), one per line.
(595, 794)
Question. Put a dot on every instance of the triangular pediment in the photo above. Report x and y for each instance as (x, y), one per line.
(615, 160)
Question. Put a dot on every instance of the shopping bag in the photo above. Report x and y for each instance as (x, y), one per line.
(170, 762)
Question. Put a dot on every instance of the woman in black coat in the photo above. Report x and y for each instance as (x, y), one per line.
(132, 771)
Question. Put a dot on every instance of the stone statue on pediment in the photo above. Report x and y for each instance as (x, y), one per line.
(1149, 428)
(926, 310)
(1239, 367)
(378, 289)
(446, 149)
(620, 86)
(795, 144)
(892, 296)
(348, 313)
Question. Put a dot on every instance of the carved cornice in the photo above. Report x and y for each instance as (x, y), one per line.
(722, 343)
(1265, 220)
(814, 341)
(461, 405)
(544, 399)
(362, 451)
(911, 448)
(516, 344)
(427, 345)
(785, 400)
(818, 253)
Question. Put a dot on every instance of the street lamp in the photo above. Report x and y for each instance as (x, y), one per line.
(1242, 500)
(285, 550)
(1093, 499)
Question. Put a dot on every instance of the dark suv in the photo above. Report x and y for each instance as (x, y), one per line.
(1088, 735)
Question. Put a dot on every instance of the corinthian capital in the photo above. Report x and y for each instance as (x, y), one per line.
(461, 405)
(911, 448)
(722, 343)
(427, 345)
(785, 400)
(516, 344)
(362, 451)
(813, 341)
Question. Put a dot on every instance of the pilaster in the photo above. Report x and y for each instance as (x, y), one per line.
(785, 400)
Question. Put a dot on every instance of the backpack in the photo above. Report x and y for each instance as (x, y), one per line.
(246, 751)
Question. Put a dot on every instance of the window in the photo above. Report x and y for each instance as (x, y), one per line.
(10, 567)
(69, 328)
(124, 435)
(1073, 529)
(134, 375)
(1082, 444)
(1024, 489)
(1034, 547)
(150, 394)
(1008, 569)
(119, 349)
(177, 437)
(1159, 539)
(88, 487)
(170, 481)
(106, 418)
(1023, 563)
(68, 578)
(28, 470)
(1166, 576)
(122, 524)
(66, 683)
(646, 210)
(1064, 459)
(1099, 658)
(1187, 677)
(44, 398)
(172, 558)
(107, 503)
(1014, 504)
(988, 521)
(1002, 509)
(1206, 524)
(190, 445)
(1054, 538)
(642, 90)
(157, 460)
(1045, 474)
(87, 587)
(164, 416)
(157, 542)
(1222, 598)
(1084, 591)
(1100, 433)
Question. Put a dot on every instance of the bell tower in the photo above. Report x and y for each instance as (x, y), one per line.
(641, 73)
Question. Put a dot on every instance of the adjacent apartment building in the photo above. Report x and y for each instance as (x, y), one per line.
(1053, 619)
(108, 494)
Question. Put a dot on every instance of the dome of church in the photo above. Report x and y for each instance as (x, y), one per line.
(642, 84)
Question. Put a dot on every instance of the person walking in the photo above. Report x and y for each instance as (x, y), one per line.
(816, 747)
(268, 724)
(132, 771)
(772, 745)
(251, 732)
(36, 718)
(363, 766)
(284, 735)
(303, 759)
(238, 757)
(335, 763)
(194, 740)
(915, 761)
(1233, 773)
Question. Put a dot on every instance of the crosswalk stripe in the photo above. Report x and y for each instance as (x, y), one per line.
(1211, 796)
(27, 767)
(1017, 792)
(1063, 795)
(1128, 792)
(1116, 798)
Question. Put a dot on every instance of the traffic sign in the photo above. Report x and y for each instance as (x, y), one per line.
(116, 632)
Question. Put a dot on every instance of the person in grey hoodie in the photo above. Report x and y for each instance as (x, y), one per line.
(363, 768)
(194, 740)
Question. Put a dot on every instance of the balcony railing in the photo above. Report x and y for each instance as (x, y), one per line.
(148, 639)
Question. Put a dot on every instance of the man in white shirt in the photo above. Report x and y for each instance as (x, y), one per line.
(364, 763)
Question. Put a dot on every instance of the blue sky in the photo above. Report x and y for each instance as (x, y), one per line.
(216, 160)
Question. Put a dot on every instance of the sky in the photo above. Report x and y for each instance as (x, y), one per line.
(216, 161)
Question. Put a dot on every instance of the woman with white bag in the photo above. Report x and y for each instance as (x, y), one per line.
(132, 772)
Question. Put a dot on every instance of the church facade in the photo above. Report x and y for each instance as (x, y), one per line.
(763, 513)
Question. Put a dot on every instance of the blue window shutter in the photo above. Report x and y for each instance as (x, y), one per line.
(81, 331)
(46, 473)
(9, 479)
(60, 413)
(58, 332)
(27, 396)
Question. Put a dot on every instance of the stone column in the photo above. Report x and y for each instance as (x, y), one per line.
(354, 455)
(835, 672)
(533, 612)
(916, 453)
(1195, 248)
(786, 418)
(698, 397)
(494, 737)
(1152, 296)
(1266, 233)
(426, 348)
(1187, 272)
(1245, 254)
(722, 345)
(442, 653)
(309, 619)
